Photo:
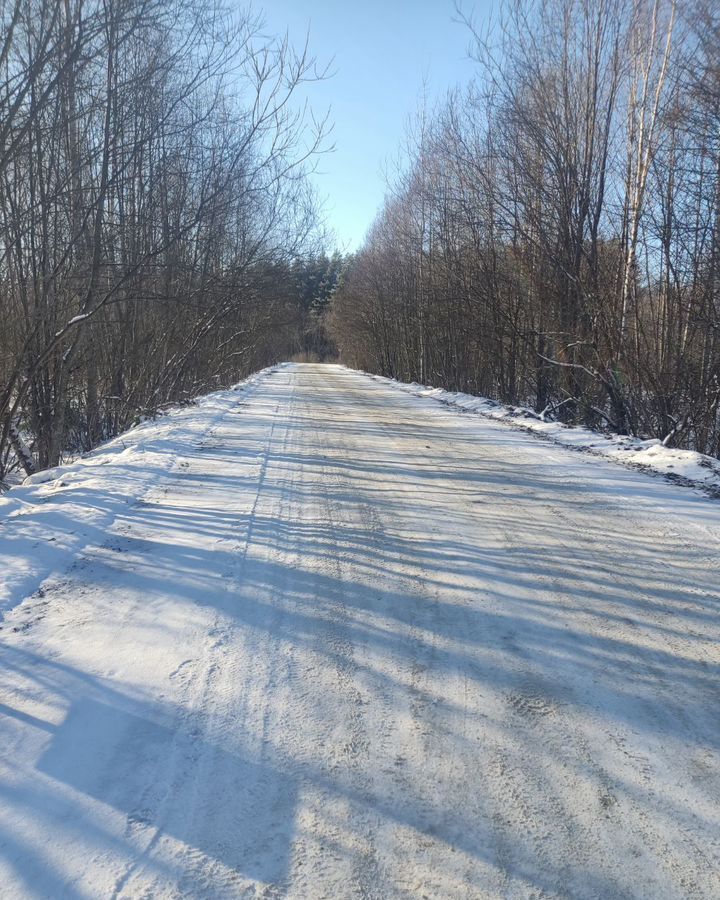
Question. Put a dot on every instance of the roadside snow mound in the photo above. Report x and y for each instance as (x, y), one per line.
(684, 466)
(39, 534)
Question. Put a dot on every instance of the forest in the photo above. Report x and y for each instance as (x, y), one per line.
(159, 232)
(554, 239)
(550, 238)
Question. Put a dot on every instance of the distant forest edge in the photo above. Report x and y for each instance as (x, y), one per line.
(159, 234)
(552, 238)
(555, 240)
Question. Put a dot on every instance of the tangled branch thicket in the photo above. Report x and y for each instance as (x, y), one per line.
(153, 198)
(555, 240)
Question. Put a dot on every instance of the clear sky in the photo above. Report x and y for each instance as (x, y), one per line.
(383, 52)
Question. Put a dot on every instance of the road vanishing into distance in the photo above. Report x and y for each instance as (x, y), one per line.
(352, 643)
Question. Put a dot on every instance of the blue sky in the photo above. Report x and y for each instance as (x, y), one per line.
(383, 53)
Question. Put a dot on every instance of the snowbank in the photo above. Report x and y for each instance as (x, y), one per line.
(683, 466)
(54, 514)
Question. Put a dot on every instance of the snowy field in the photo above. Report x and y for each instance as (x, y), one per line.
(321, 637)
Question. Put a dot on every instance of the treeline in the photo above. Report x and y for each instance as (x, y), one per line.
(314, 282)
(555, 240)
(153, 198)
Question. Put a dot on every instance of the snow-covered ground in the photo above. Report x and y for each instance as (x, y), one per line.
(322, 637)
(56, 512)
(683, 466)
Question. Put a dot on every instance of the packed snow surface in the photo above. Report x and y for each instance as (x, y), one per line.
(684, 466)
(318, 637)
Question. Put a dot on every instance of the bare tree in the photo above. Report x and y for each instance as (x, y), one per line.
(152, 179)
(554, 240)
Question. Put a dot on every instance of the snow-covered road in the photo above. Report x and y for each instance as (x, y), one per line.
(351, 643)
